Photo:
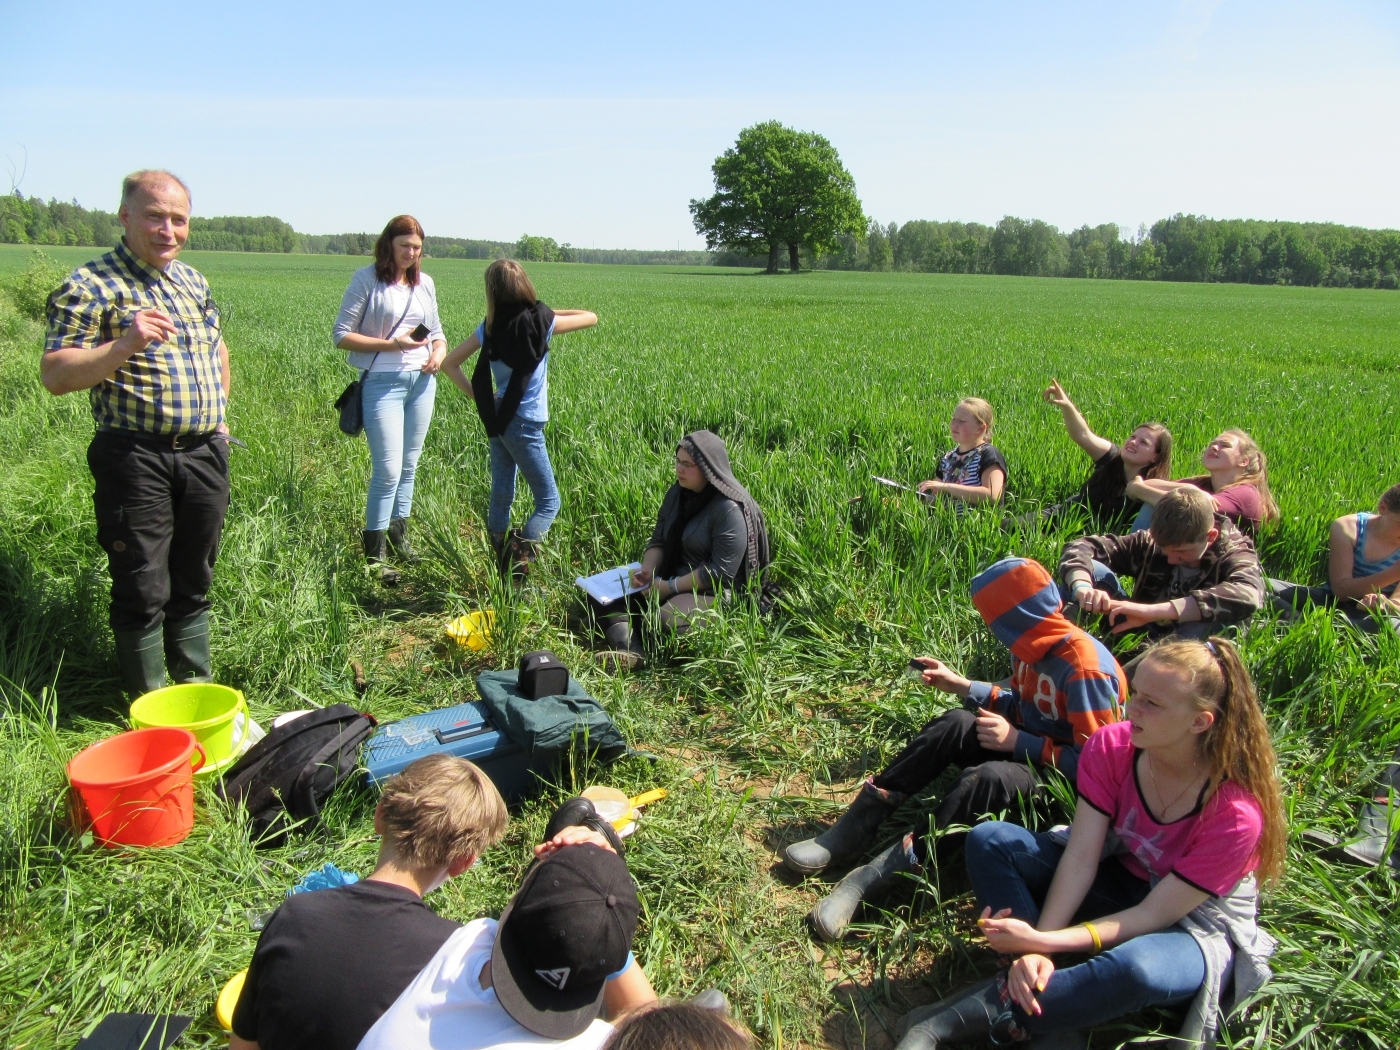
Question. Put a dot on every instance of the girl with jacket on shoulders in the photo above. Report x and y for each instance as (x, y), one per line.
(514, 339)
(389, 322)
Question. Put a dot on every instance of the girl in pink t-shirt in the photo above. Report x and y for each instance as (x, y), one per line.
(1186, 786)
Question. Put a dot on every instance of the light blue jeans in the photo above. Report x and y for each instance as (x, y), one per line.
(522, 447)
(398, 408)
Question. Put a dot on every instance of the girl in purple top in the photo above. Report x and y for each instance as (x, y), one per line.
(1237, 477)
(1182, 804)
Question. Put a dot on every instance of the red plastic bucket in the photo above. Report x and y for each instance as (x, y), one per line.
(137, 788)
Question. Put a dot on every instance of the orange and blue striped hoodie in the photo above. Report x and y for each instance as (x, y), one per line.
(1064, 683)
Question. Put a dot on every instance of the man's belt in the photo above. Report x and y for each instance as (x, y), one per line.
(178, 442)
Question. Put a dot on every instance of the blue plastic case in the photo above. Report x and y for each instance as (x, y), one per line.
(466, 731)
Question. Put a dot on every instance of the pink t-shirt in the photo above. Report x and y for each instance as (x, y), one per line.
(1212, 847)
(1242, 504)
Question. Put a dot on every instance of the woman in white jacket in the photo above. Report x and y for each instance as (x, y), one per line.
(389, 322)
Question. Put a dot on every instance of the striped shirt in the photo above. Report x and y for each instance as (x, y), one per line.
(967, 468)
(174, 386)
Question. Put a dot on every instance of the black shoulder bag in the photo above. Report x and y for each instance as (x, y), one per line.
(350, 403)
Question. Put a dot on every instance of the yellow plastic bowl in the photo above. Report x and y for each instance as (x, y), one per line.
(473, 630)
(228, 1000)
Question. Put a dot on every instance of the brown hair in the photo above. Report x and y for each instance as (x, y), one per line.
(1162, 465)
(1390, 499)
(1184, 515)
(506, 283)
(1237, 746)
(677, 1026)
(1256, 471)
(384, 266)
(148, 177)
(439, 809)
(981, 411)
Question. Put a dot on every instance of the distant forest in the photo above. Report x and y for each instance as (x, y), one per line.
(1181, 248)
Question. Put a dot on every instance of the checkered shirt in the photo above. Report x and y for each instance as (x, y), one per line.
(174, 386)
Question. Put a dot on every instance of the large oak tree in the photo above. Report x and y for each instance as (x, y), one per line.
(777, 186)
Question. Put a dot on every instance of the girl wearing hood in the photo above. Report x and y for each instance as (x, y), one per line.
(710, 538)
(514, 340)
(1064, 685)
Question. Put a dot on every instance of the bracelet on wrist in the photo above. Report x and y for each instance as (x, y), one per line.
(1094, 934)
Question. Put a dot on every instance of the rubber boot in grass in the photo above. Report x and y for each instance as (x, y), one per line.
(848, 838)
(623, 650)
(963, 1015)
(141, 660)
(187, 649)
(830, 918)
(711, 999)
(373, 540)
(398, 542)
(1374, 836)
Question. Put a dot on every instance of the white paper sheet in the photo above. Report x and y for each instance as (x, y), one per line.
(610, 584)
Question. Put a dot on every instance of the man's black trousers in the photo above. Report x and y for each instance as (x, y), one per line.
(160, 513)
(990, 781)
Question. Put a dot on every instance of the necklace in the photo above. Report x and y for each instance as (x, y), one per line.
(1152, 775)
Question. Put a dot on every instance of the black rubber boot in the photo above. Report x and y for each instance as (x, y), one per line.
(187, 649)
(970, 1012)
(373, 540)
(845, 840)
(398, 542)
(1369, 845)
(141, 660)
(830, 918)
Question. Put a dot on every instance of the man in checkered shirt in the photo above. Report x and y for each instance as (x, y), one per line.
(139, 331)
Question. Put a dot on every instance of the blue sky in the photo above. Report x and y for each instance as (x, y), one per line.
(596, 124)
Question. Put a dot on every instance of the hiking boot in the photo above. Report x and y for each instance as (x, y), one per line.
(141, 660)
(187, 649)
(845, 840)
(830, 918)
(517, 557)
(373, 540)
(398, 542)
(964, 1014)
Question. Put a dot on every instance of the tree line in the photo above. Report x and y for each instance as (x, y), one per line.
(1180, 248)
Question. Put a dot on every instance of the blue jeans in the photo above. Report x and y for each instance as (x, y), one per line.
(522, 446)
(1011, 868)
(1143, 521)
(398, 408)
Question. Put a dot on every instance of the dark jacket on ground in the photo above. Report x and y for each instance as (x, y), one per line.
(1230, 587)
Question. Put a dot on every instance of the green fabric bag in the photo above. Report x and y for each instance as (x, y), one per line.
(551, 728)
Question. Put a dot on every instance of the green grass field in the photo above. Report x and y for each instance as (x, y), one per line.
(816, 381)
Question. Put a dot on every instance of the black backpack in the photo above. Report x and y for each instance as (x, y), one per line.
(286, 776)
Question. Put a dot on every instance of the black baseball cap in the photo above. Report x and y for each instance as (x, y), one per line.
(567, 930)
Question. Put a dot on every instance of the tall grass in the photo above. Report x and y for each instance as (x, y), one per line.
(761, 726)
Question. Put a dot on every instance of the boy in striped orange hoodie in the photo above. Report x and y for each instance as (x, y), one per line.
(1064, 684)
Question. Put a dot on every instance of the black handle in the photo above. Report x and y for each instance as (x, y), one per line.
(451, 735)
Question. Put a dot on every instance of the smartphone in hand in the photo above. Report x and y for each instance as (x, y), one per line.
(420, 333)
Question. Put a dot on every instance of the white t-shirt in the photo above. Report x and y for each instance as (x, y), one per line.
(397, 296)
(445, 1008)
